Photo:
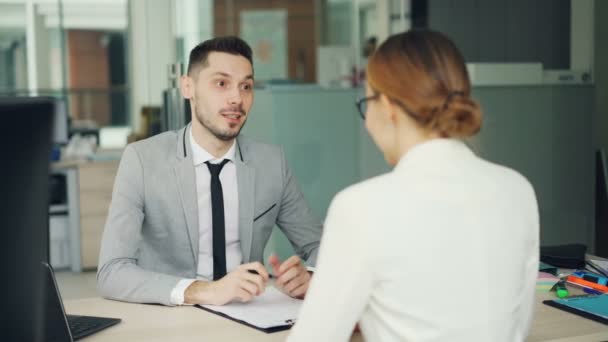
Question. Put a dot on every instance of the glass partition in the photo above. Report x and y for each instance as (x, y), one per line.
(309, 60)
(323, 42)
(68, 49)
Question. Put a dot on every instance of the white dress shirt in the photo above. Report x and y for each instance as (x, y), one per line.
(228, 178)
(443, 248)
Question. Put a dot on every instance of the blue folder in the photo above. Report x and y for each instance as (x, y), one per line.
(591, 307)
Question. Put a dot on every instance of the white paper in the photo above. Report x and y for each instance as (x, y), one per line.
(603, 264)
(272, 308)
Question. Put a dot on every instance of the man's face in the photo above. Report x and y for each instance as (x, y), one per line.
(222, 94)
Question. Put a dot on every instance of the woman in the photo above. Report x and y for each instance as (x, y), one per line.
(444, 247)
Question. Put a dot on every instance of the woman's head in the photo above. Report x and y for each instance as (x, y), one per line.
(419, 89)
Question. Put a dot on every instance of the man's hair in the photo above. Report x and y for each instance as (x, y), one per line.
(232, 45)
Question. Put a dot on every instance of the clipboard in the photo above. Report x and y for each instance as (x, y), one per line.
(288, 323)
(271, 312)
(591, 307)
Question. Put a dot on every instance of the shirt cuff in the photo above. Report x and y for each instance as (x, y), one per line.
(310, 268)
(177, 294)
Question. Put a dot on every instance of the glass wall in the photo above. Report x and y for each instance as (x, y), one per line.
(309, 60)
(294, 42)
(69, 49)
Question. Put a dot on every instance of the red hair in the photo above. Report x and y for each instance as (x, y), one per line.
(424, 73)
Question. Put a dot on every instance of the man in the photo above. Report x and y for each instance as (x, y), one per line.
(192, 210)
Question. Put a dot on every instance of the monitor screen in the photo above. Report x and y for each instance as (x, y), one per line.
(25, 143)
(601, 204)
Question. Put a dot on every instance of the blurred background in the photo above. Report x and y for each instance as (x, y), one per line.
(538, 68)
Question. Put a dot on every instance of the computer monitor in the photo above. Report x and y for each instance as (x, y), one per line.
(601, 204)
(25, 146)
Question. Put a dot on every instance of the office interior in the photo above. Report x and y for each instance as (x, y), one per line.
(538, 68)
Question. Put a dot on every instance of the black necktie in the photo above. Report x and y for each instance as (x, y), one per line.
(217, 214)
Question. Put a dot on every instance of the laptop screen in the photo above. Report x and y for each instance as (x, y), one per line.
(56, 325)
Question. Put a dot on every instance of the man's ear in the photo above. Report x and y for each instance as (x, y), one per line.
(186, 86)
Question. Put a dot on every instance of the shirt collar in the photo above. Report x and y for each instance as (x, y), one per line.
(435, 151)
(200, 155)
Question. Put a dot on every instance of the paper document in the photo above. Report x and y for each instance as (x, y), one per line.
(271, 309)
(603, 264)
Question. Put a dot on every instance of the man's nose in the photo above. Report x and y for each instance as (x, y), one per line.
(235, 97)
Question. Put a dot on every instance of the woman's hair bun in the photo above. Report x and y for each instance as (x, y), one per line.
(460, 117)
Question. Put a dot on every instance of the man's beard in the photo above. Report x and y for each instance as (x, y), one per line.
(217, 132)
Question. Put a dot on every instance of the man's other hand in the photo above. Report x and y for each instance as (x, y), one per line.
(292, 276)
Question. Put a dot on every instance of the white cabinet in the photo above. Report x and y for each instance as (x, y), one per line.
(59, 241)
(79, 231)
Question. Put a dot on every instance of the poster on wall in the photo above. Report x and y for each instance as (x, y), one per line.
(266, 33)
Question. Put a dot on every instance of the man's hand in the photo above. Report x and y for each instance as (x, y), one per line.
(240, 284)
(292, 276)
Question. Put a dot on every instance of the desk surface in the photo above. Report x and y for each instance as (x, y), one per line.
(551, 324)
(160, 323)
(141, 322)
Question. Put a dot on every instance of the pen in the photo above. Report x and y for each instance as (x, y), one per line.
(592, 291)
(258, 273)
(590, 280)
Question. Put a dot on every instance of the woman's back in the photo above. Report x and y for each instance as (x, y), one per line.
(444, 248)
(474, 225)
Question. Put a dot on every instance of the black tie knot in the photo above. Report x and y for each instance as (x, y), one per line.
(215, 169)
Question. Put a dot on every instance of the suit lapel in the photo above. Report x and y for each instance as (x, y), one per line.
(186, 185)
(245, 175)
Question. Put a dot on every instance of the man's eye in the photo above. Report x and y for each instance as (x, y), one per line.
(221, 83)
(246, 86)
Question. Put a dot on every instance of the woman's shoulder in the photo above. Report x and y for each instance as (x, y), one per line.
(352, 208)
(509, 179)
(366, 190)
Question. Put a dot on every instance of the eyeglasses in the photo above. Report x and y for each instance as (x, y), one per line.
(362, 104)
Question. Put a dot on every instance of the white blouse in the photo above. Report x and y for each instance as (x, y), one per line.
(443, 248)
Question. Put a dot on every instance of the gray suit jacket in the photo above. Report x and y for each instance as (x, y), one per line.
(151, 236)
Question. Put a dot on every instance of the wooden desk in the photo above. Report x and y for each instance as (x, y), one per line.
(159, 323)
(551, 324)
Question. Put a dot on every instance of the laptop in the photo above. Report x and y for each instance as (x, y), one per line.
(62, 327)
